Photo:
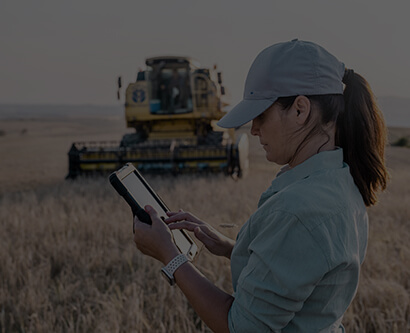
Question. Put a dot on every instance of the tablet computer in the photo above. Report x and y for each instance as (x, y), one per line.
(130, 184)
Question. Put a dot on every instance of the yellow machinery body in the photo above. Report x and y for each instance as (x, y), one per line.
(173, 106)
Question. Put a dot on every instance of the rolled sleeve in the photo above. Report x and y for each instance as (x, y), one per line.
(285, 264)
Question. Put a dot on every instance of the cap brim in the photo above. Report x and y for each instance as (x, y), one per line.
(244, 112)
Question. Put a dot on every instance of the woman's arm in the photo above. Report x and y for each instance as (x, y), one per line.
(210, 303)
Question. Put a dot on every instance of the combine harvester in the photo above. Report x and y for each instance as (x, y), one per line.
(173, 106)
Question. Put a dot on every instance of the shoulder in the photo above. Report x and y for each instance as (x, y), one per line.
(324, 210)
(317, 197)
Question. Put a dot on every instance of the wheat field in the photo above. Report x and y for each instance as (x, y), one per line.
(68, 262)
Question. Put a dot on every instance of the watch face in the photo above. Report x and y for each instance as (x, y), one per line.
(167, 277)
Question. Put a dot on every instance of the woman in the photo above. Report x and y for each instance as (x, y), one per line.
(296, 261)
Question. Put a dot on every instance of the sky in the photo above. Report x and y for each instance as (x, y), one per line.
(71, 52)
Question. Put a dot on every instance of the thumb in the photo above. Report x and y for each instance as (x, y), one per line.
(202, 236)
(152, 213)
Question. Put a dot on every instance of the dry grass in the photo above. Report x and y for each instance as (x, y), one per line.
(68, 262)
(382, 303)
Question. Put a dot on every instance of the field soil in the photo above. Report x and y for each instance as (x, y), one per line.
(68, 263)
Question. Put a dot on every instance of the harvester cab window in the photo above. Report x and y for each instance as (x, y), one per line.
(205, 88)
(201, 91)
(171, 91)
(141, 76)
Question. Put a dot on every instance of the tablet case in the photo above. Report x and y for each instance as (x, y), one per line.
(135, 207)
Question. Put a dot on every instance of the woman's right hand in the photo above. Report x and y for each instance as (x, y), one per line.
(213, 240)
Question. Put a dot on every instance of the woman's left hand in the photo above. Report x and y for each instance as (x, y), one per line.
(154, 240)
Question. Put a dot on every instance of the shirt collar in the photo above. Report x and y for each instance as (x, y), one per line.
(331, 159)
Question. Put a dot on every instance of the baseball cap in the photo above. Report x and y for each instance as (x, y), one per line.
(286, 69)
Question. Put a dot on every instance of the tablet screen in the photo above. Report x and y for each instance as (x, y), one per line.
(144, 197)
(141, 194)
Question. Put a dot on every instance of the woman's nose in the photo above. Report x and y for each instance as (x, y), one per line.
(254, 129)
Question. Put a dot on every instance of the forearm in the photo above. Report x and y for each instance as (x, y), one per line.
(210, 303)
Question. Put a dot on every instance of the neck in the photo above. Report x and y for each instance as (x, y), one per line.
(314, 146)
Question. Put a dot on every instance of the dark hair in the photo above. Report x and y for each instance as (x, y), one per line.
(360, 131)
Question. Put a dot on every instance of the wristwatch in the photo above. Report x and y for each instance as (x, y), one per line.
(169, 270)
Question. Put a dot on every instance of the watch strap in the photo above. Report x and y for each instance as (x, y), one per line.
(174, 264)
(169, 270)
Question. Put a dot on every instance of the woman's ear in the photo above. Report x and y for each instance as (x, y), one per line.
(301, 109)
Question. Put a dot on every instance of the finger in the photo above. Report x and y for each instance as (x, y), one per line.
(174, 213)
(173, 217)
(181, 216)
(183, 225)
(177, 216)
(210, 232)
(203, 237)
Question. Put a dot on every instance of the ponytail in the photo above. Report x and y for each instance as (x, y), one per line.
(362, 134)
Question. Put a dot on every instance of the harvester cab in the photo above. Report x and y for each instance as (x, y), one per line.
(174, 106)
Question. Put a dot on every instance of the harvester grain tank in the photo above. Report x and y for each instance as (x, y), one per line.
(173, 106)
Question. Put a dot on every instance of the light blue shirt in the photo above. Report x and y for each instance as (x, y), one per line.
(296, 262)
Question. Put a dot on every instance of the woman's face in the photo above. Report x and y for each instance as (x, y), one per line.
(275, 128)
